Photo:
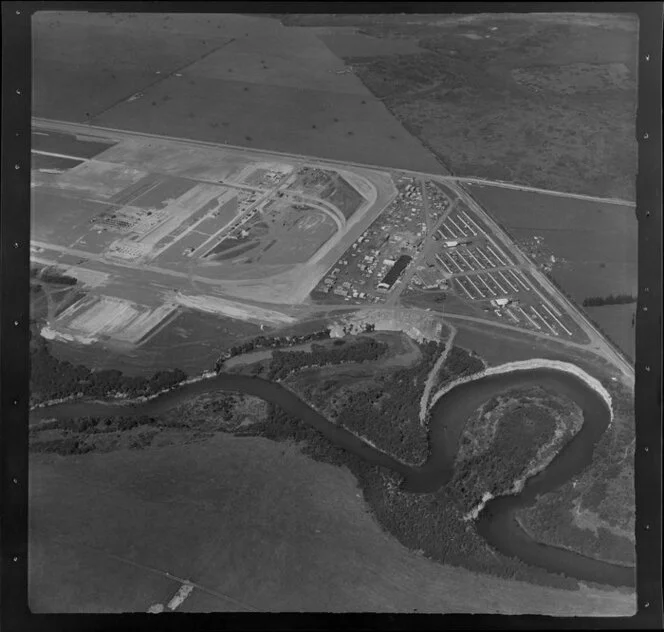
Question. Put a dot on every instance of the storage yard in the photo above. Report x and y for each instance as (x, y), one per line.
(428, 241)
(136, 212)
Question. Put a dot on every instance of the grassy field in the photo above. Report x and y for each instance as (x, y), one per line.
(561, 89)
(595, 246)
(192, 341)
(602, 525)
(227, 78)
(616, 321)
(253, 522)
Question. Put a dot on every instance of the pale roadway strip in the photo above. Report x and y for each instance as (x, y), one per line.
(470, 280)
(519, 278)
(442, 263)
(450, 231)
(512, 315)
(50, 153)
(238, 221)
(597, 340)
(472, 231)
(528, 317)
(477, 261)
(428, 386)
(454, 261)
(495, 280)
(497, 256)
(588, 348)
(518, 187)
(470, 266)
(569, 333)
(457, 227)
(147, 268)
(546, 322)
(491, 263)
(85, 128)
(472, 221)
(507, 281)
(463, 287)
(486, 285)
(489, 238)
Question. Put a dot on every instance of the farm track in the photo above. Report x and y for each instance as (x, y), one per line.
(82, 128)
(598, 345)
(424, 402)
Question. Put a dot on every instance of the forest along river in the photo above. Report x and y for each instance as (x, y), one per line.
(496, 521)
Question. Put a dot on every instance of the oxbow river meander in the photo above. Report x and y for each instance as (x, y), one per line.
(496, 522)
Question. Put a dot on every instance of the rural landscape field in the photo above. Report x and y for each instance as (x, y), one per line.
(333, 313)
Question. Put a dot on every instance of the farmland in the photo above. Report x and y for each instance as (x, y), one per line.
(186, 214)
(240, 538)
(560, 89)
(135, 77)
(594, 247)
(275, 201)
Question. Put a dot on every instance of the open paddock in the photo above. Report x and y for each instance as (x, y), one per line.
(98, 179)
(163, 193)
(245, 248)
(305, 232)
(582, 280)
(175, 159)
(44, 161)
(107, 317)
(350, 43)
(603, 231)
(59, 218)
(233, 309)
(69, 144)
(311, 122)
(215, 223)
(80, 69)
(616, 321)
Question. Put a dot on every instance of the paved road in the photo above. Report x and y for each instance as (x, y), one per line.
(410, 272)
(82, 128)
(597, 341)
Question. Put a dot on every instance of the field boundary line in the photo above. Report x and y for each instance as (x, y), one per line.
(163, 573)
(162, 78)
(37, 121)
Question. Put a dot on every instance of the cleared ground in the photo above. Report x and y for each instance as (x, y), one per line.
(595, 246)
(244, 80)
(560, 88)
(250, 520)
(193, 341)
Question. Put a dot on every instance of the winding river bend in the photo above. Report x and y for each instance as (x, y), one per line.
(496, 522)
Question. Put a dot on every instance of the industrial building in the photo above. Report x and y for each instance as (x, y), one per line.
(395, 272)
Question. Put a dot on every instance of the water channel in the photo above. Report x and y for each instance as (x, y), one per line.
(496, 522)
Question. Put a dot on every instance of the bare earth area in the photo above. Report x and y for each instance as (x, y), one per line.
(254, 525)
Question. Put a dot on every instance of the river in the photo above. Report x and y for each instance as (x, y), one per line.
(496, 522)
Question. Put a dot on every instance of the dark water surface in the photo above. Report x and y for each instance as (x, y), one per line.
(496, 522)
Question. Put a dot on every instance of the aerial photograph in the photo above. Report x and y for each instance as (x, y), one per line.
(333, 313)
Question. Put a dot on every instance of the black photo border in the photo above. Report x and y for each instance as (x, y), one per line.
(14, 313)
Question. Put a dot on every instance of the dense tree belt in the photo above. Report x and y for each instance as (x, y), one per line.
(52, 378)
(270, 342)
(611, 299)
(286, 362)
(429, 523)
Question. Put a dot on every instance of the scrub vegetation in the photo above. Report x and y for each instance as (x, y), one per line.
(594, 514)
(542, 101)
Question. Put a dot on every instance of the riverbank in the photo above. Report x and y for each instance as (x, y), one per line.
(529, 365)
(427, 520)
